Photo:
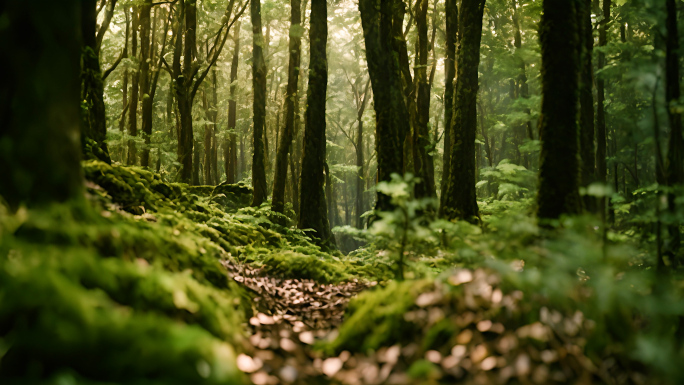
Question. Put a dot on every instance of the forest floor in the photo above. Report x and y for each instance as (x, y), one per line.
(178, 284)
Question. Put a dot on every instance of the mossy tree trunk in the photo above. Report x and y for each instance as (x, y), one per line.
(391, 115)
(675, 149)
(451, 10)
(559, 162)
(146, 126)
(40, 122)
(132, 157)
(312, 198)
(460, 201)
(92, 87)
(586, 98)
(280, 177)
(259, 106)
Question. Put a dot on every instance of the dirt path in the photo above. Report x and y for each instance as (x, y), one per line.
(290, 316)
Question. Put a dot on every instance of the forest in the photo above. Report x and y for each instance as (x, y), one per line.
(341, 192)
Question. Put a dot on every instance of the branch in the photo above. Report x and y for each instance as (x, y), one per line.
(218, 52)
(105, 24)
(113, 67)
(365, 98)
(153, 88)
(342, 129)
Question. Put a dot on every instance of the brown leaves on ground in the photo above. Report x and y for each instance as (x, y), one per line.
(472, 332)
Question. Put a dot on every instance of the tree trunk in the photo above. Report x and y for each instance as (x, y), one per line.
(391, 115)
(601, 146)
(451, 10)
(230, 146)
(460, 201)
(132, 157)
(259, 106)
(40, 122)
(675, 150)
(145, 58)
(124, 100)
(559, 162)
(586, 98)
(315, 216)
(207, 139)
(94, 128)
(285, 145)
(421, 134)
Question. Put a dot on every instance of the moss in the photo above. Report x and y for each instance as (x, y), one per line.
(294, 265)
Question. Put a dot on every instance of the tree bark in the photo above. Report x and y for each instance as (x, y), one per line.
(586, 98)
(461, 201)
(391, 115)
(451, 10)
(314, 217)
(280, 177)
(259, 106)
(559, 161)
(94, 128)
(40, 120)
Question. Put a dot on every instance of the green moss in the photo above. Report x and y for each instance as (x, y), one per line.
(294, 265)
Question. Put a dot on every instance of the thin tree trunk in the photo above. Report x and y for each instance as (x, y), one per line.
(132, 158)
(280, 177)
(451, 10)
(230, 155)
(145, 23)
(601, 145)
(315, 217)
(461, 198)
(559, 162)
(259, 106)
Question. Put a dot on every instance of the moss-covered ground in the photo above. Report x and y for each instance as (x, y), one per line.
(145, 281)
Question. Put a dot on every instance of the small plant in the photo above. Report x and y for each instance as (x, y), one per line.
(407, 224)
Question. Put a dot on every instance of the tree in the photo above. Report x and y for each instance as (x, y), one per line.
(586, 98)
(280, 177)
(259, 106)
(92, 83)
(40, 122)
(315, 216)
(601, 169)
(132, 157)
(451, 10)
(391, 115)
(559, 163)
(460, 200)
(230, 145)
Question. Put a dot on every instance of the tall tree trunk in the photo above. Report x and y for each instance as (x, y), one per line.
(280, 177)
(391, 115)
(124, 100)
(601, 145)
(40, 122)
(230, 146)
(675, 149)
(461, 201)
(360, 199)
(586, 98)
(145, 58)
(451, 10)
(559, 162)
(259, 106)
(214, 115)
(207, 138)
(94, 117)
(315, 216)
(421, 135)
(132, 157)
